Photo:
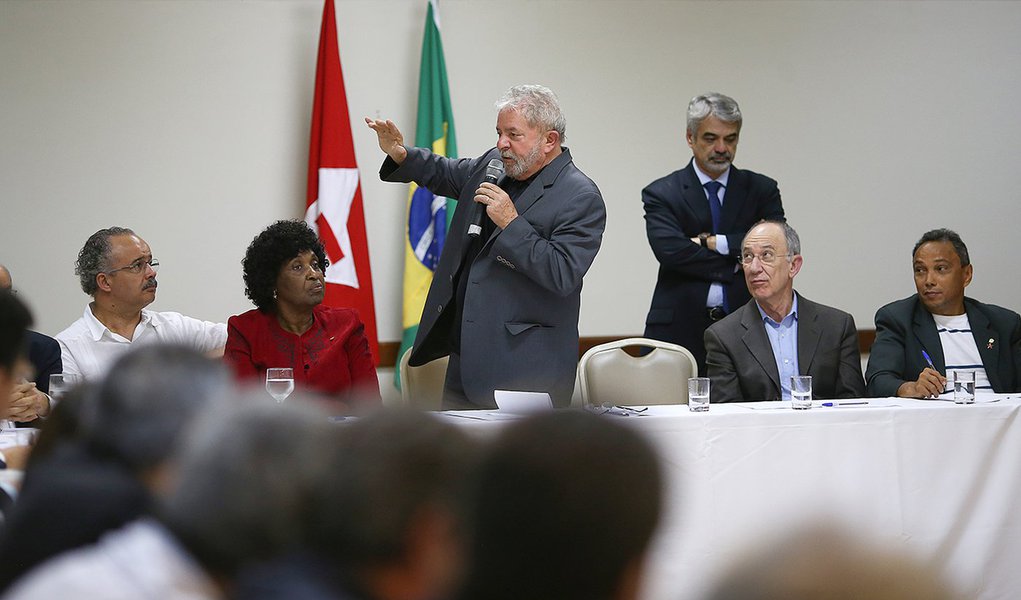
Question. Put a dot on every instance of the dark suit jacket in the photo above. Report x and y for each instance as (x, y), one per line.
(743, 369)
(676, 209)
(905, 327)
(519, 326)
(44, 354)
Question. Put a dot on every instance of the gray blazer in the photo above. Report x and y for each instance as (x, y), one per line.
(519, 323)
(742, 368)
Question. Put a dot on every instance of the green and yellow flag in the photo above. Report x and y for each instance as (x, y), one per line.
(428, 214)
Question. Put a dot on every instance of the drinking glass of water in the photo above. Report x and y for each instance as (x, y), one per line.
(698, 394)
(60, 384)
(280, 383)
(801, 392)
(964, 387)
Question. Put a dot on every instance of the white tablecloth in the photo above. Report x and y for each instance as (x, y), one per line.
(940, 480)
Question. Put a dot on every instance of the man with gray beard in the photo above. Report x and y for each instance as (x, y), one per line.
(504, 303)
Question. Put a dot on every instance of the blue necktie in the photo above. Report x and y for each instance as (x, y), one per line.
(713, 188)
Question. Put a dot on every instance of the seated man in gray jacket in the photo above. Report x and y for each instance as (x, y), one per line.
(753, 353)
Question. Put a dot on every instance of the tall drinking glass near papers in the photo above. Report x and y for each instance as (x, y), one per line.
(964, 387)
(698, 394)
(801, 392)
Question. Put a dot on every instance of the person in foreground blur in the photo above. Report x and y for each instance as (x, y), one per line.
(324, 345)
(922, 338)
(566, 505)
(821, 562)
(695, 219)
(104, 476)
(753, 353)
(386, 523)
(234, 497)
(29, 398)
(504, 305)
(117, 269)
(14, 322)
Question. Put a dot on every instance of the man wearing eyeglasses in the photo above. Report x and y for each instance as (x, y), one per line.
(117, 269)
(752, 354)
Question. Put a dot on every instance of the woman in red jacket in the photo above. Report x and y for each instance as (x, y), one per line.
(325, 346)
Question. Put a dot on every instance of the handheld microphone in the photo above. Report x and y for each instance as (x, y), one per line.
(493, 174)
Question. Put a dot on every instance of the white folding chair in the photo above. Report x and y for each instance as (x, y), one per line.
(608, 374)
(422, 387)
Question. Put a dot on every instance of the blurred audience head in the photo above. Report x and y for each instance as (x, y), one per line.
(14, 322)
(389, 516)
(269, 273)
(566, 506)
(820, 562)
(241, 480)
(146, 401)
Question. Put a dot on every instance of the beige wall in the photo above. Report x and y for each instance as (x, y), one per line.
(188, 121)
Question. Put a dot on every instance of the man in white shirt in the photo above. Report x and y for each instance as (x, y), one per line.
(117, 269)
(922, 339)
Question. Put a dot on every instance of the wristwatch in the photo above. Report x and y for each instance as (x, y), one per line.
(703, 238)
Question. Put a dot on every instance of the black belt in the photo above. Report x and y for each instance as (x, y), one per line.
(715, 313)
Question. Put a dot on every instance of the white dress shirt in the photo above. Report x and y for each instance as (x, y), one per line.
(141, 560)
(88, 348)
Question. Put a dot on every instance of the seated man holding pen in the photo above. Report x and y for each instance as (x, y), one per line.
(921, 339)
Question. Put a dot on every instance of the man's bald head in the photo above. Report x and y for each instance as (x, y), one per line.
(6, 282)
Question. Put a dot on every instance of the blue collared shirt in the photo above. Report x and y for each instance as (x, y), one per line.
(783, 337)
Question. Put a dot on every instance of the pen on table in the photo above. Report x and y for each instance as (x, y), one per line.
(838, 404)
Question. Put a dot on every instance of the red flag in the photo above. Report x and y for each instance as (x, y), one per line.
(334, 197)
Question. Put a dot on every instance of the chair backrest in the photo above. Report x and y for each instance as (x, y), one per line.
(609, 374)
(422, 387)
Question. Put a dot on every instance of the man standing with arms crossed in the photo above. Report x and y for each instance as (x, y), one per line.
(695, 219)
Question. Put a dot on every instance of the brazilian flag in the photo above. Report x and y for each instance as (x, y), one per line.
(428, 214)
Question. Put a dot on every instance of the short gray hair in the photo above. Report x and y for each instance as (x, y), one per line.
(148, 399)
(245, 471)
(722, 107)
(790, 236)
(94, 255)
(538, 105)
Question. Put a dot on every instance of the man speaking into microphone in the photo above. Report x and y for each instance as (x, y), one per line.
(504, 303)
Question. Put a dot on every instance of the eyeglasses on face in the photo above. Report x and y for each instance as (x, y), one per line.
(138, 266)
(766, 257)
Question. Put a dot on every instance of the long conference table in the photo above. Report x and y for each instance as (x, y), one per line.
(937, 480)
